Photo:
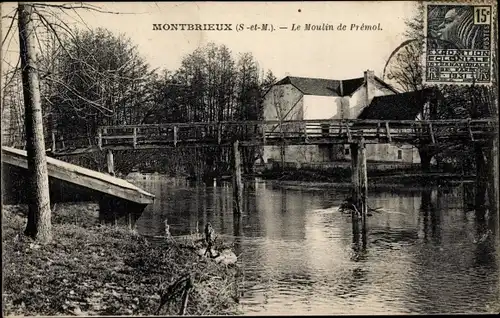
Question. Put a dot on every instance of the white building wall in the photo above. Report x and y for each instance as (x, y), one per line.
(284, 99)
(321, 107)
(390, 153)
(356, 103)
(359, 99)
(287, 101)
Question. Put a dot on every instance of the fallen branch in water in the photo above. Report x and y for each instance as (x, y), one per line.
(349, 206)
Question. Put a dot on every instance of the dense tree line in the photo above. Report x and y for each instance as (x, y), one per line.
(94, 78)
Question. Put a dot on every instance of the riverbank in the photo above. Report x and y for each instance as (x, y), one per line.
(89, 269)
(376, 179)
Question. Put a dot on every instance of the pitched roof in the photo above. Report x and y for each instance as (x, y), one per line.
(351, 85)
(313, 86)
(390, 87)
(403, 106)
(327, 87)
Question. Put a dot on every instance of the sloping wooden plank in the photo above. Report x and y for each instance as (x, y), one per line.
(91, 179)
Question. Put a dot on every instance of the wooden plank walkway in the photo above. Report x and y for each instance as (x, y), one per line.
(268, 133)
(99, 182)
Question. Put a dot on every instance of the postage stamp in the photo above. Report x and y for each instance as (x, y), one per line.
(458, 48)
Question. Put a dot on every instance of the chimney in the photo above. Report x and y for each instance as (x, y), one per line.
(370, 88)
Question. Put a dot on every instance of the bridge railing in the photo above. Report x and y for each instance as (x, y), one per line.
(294, 131)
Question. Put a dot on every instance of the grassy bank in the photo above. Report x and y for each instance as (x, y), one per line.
(90, 269)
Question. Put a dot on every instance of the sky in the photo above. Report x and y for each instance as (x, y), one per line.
(323, 54)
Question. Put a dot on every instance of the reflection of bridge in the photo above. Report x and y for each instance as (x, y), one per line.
(297, 132)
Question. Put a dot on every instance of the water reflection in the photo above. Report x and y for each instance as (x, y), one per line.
(300, 255)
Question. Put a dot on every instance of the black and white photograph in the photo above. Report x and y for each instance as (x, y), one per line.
(250, 158)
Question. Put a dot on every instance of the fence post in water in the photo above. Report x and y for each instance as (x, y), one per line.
(363, 187)
(237, 182)
(359, 179)
(110, 161)
(355, 173)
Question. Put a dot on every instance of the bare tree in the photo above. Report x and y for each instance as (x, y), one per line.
(404, 65)
(39, 216)
(30, 17)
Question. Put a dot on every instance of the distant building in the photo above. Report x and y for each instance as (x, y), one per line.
(367, 97)
(403, 106)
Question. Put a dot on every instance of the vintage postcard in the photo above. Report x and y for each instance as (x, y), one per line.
(249, 158)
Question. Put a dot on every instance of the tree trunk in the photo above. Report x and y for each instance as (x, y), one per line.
(39, 223)
(425, 159)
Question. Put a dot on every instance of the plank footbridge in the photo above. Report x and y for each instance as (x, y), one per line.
(270, 133)
(356, 133)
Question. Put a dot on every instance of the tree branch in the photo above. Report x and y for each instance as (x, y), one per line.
(81, 5)
(10, 27)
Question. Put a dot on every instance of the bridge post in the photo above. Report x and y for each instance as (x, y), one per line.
(176, 129)
(354, 172)
(359, 179)
(110, 161)
(363, 188)
(481, 183)
(99, 139)
(135, 137)
(53, 142)
(237, 181)
(493, 190)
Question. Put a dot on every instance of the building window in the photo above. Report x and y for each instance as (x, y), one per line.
(400, 154)
(347, 151)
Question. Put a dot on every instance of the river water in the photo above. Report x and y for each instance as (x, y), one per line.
(424, 253)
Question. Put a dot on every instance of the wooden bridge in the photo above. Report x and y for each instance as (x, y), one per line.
(356, 133)
(268, 133)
